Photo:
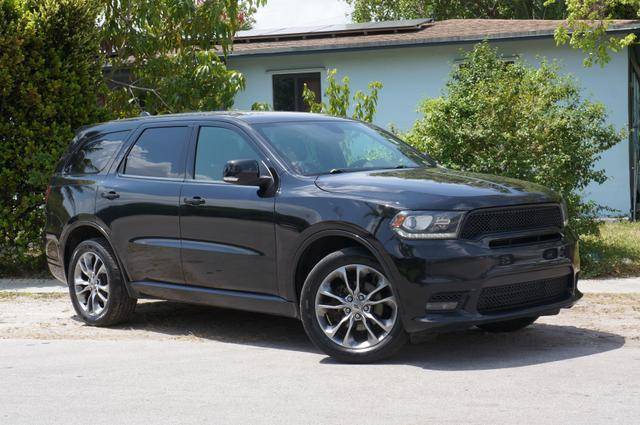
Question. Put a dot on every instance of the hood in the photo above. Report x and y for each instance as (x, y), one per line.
(435, 188)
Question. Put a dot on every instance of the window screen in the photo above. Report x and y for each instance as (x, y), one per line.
(216, 146)
(158, 152)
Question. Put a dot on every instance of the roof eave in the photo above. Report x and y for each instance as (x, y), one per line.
(294, 50)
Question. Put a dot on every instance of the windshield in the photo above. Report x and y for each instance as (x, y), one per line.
(322, 147)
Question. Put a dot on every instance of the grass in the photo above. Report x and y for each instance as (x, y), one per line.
(615, 253)
(12, 295)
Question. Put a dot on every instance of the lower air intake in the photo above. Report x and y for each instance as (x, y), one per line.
(524, 295)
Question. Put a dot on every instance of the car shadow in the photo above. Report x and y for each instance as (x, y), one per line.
(472, 349)
(218, 324)
(475, 349)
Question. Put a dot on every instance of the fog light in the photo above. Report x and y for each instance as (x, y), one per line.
(442, 306)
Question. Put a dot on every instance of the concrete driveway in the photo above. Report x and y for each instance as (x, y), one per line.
(188, 364)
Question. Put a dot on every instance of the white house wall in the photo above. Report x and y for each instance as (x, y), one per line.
(410, 75)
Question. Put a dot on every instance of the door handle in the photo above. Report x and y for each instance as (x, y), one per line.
(111, 195)
(196, 200)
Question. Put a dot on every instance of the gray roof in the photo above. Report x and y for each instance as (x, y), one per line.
(397, 34)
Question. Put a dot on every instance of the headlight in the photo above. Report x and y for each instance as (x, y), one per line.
(427, 224)
(565, 213)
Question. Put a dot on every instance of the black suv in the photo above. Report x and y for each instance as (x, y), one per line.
(332, 221)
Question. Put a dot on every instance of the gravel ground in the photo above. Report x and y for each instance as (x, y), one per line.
(51, 316)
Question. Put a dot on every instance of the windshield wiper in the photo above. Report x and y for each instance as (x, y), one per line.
(346, 170)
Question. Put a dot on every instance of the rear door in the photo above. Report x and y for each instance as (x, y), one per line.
(228, 231)
(139, 203)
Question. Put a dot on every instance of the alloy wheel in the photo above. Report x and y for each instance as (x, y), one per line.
(91, 283)
(356, 307)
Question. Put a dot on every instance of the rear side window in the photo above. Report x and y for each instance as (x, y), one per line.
(216, 146)
(158, 152)
(95, 154)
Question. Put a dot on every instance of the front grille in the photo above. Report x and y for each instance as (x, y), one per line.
(525, 240)
(502, 220)
(524, 295)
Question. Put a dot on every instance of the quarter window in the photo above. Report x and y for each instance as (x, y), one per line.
(288, 88)
(158, 152)
(216, 146)
(94, 155)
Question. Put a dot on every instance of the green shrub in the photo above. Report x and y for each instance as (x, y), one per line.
(519, 121)
(339, 97)
(50, 83)
(260, 106)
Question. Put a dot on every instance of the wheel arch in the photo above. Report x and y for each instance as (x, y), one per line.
(323, 242)
(82, 230)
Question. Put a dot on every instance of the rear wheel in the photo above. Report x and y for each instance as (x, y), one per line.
(96, 286)
(350, 310)
(508, 325)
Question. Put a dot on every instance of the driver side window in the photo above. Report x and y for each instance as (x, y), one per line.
(216, 146)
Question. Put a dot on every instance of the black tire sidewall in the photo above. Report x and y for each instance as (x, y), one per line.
(391, 344)
(117, 291)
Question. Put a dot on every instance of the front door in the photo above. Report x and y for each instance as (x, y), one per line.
(228, 231)
(139, 203)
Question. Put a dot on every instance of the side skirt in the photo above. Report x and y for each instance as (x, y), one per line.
(250, 301)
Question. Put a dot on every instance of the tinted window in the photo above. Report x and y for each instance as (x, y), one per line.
(216, 146)
(288, 89)
(333, 146)
(159, 152)
(94, 155)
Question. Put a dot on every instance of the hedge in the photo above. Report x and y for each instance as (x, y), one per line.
(50, 84)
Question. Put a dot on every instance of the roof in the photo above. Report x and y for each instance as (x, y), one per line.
(331, 30)
(251, 117)
(433, 32)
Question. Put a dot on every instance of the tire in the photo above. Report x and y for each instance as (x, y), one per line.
(108, 284)
(509, 325)
(354, 320)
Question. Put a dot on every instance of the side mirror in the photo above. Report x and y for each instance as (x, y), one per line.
(244, 172)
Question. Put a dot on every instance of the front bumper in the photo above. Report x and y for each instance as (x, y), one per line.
(463, 319)
(427, 269)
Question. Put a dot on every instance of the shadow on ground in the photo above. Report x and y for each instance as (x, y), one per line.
(466, 350)
(478, 350)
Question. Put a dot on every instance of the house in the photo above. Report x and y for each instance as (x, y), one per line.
(413, 59)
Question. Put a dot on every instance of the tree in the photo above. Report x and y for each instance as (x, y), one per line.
(50, 80)
(587, 25)
(171, 53)
(384, 10)
(519, 121)
(339, 96)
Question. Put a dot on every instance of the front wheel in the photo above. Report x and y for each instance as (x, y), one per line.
(349, 308)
